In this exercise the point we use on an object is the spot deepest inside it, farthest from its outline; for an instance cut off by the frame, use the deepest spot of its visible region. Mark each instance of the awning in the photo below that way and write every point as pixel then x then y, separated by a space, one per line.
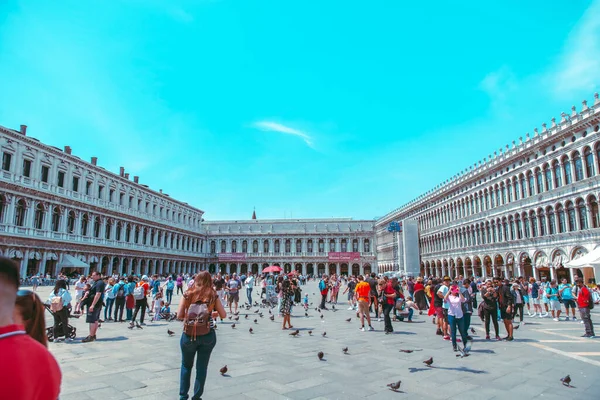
pixel 69 261
pixel 590 260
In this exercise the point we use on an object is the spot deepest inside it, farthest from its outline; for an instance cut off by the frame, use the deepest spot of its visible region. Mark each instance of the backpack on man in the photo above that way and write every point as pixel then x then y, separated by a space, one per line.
pixel 139 293
pixel 121 291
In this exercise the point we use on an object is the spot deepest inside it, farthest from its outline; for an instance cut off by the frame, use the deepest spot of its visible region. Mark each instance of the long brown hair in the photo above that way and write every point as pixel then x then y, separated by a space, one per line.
pixel 202 289
pixel 31 309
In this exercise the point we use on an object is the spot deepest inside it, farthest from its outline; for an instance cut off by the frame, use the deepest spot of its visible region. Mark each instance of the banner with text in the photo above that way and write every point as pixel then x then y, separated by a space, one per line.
pixel 232 256
pixel 345 256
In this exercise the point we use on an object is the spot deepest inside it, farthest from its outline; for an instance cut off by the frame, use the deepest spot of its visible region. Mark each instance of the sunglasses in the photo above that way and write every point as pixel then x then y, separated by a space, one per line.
pixel 24 292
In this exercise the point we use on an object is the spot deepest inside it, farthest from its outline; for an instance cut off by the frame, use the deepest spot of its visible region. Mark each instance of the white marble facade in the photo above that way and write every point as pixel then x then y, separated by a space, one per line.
pixel 524 210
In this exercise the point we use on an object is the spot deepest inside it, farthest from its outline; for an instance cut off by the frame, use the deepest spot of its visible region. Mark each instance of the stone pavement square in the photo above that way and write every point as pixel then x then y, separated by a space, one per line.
pixel 271 364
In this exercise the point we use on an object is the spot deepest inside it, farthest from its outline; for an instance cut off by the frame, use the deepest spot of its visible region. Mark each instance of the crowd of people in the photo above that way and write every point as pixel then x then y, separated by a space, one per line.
pixel 208 299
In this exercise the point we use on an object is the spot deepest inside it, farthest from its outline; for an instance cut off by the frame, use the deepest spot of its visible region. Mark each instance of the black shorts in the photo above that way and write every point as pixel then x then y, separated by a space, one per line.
pixel 506 315
pixel 93 317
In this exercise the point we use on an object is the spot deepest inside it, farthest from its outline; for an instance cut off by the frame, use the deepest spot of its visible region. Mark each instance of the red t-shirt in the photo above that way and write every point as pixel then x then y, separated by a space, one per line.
pixel 28 369
pixel 389 290
pixel 419 286
pixel 583 298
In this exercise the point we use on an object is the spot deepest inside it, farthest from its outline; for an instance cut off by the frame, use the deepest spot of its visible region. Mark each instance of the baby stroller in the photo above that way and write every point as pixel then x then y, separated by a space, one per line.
pixel 71 332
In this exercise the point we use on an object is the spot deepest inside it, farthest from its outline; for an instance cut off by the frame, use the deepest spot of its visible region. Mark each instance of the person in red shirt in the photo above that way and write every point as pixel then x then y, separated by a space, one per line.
pixel 28 370
pixel 388 305
pixel 583 302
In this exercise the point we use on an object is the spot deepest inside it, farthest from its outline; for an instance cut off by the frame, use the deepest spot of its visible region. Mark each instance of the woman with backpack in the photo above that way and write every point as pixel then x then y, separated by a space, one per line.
pixel 141 301
pixel 59 301
pixel 199 306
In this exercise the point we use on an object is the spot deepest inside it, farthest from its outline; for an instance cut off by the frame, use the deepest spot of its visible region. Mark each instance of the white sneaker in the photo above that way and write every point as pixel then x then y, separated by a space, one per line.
pixel 350 308
pixel 379 320
pixel 574 319
pixel 362 329
pixel 522 323
pixel 581 322
pixel 371 328
pixel 556 319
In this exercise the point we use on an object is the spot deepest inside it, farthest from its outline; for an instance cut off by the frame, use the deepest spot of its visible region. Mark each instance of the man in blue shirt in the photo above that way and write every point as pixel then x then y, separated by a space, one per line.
pixel 565 290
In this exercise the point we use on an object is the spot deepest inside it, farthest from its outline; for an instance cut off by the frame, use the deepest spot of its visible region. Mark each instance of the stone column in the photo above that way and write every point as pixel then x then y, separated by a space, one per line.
pixel 42 270
pixel 24 262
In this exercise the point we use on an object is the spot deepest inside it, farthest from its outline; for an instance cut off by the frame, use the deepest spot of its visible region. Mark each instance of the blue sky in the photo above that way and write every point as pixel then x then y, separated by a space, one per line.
pixel 298 108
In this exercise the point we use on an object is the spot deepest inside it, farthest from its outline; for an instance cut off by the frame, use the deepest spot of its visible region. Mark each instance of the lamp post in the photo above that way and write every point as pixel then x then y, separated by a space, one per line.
pixel 395 227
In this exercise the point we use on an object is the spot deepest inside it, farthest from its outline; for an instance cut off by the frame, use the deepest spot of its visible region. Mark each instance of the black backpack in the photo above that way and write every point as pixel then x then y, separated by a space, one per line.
pixel 121 291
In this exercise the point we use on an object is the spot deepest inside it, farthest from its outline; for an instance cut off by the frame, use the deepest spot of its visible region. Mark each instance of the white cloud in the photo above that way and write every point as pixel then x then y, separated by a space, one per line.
pixel 578 68
pixel 271 126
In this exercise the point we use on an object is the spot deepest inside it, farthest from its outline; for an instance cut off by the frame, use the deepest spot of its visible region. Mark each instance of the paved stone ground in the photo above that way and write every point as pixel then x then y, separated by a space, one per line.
pixel 270 364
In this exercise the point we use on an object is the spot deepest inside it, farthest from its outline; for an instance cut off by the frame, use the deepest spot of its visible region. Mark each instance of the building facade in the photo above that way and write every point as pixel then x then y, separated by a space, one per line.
pixel 309 246
pixel 53 204
pixel 55 208
pixel 526 210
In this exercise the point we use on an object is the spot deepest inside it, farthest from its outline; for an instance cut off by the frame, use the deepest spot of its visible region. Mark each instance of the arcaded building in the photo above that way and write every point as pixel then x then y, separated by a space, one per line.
pixel 526 209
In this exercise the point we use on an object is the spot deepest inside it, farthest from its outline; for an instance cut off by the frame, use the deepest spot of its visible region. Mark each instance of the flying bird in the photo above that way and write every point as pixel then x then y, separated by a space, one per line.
pixel 170 332
pixel 320 355
pixel 295 333
pixel 394 386
pixel 566 380
pixel 223 370
pixel 428 362
pixel 345 350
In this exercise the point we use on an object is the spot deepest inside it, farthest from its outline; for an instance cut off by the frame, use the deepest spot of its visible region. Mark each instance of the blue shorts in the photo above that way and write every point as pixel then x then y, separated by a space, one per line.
pixel 526 299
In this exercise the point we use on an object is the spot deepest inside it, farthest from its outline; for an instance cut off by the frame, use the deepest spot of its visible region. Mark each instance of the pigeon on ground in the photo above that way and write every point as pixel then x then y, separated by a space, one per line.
pixel 473 331
pixel 130 327
pixel 516 327
pixel 348 319
pixel 246 316
pixel 232 326
pixel 309 333
pixel 256 321
pixel 250 330
pixel 324 333
pixel 170 332
pixel 566 380
pixel 394 386
pixel 229 317
pixel 320 355
pixel 295 333
pixel 321 316
pixel 345 350
pixel 270 311
pixel 236 313
pixel 256 312
pixel 306 314
pixel 237 318
pixel 428 362
pixel 272 318
pixel 406 351
pixel 223 370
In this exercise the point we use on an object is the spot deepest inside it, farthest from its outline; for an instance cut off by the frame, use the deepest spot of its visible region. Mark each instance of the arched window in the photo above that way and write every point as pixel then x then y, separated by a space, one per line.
pixel 503 193
pixel 551 221
pixel 557 175
pixel 568 173
pixel 136 237
pixel 266 246
pixel 234 246
pixel 118 231
pixel 509 188
pixel 108 231
pixel 582 214
pixel 505 230
pixel 534 224
pixel 288 246
pixel 128 234
pixel 344 245
pixel 159 241
pixel 85 221
pixel 71 222
pixel 223 246
pixel 517 188
pixel 562 222
pixel 542 219
pixel 332 245
pixel 526 226
pixel 20 212
pixel 276 246
pixel 97 226
pixel 255 246
pixel 594 212
pixel 572 217
pixel 2 207
pixel 540 181
pixel 321 245
pixel 531 181
pixel 298 246
pixel 578 166
pixel 523 185
pixel 213 247
pixel 38 221
pixel 55 219
pixel 519 228
pixel 513 234
pixel 488 234
pixel 144 236
pixel 309 246
pixel 589 162
pixel 548 177
pixel 151 237
pixel 244 246
pixel 355 245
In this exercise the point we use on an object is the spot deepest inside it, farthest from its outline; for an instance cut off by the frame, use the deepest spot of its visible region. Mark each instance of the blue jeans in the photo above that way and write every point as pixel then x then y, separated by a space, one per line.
pixel 108 308
pixel 249 294
pixel 169 295
pixel 201 349
pixel 410 313
pixel 454 323
pixel 467 322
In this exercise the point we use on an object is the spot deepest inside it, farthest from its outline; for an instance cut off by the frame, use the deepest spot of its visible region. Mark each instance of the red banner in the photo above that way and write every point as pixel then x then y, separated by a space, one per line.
pixel 232 256
pixel 346 256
